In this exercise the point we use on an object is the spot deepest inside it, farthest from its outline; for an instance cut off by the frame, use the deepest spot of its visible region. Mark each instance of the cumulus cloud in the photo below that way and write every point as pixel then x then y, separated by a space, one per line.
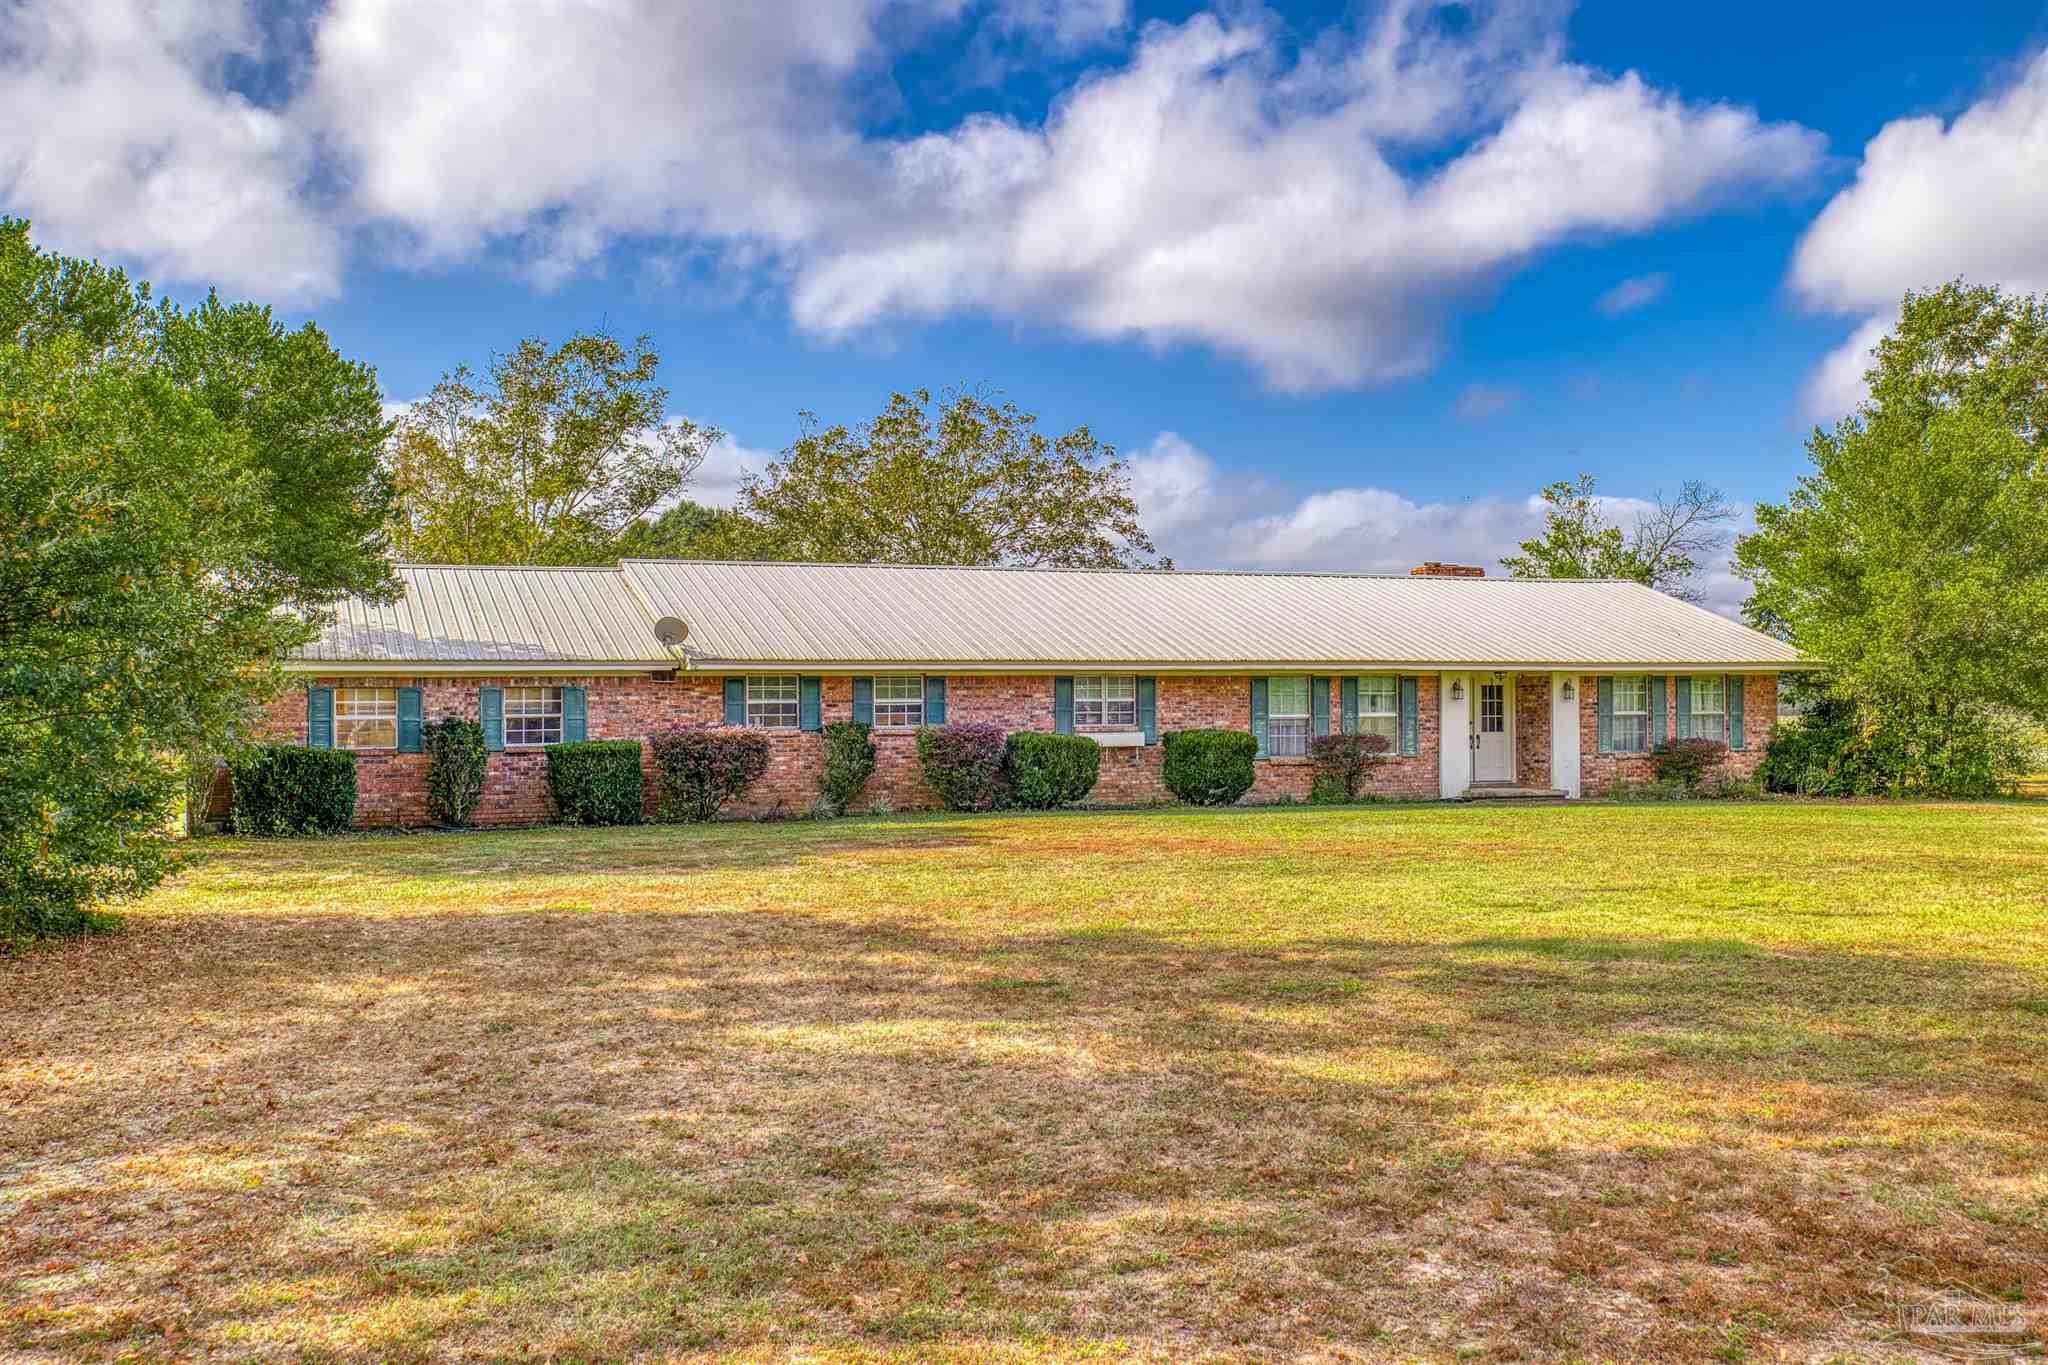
pixel 1638 291
pixel 717 481
pixel 120 137
pixel 1930 201
pixel 1319 210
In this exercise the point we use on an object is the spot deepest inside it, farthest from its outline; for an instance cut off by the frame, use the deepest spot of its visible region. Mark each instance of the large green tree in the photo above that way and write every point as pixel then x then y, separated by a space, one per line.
pixel 550 458
pixel 676 533
pixel 1913 560
pixel 968 480
pixel 1663 547
pixel 159 550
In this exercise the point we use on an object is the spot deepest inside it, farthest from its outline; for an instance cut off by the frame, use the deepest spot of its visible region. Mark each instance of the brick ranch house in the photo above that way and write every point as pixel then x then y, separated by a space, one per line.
pixel 1480 685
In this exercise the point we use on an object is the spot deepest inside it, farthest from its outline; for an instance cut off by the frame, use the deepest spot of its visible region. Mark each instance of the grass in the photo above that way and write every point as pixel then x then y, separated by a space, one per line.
pixel 1590 1082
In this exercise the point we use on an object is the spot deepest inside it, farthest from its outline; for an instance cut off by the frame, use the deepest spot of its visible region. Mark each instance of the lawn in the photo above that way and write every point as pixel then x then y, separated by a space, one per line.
pixel 1653 1082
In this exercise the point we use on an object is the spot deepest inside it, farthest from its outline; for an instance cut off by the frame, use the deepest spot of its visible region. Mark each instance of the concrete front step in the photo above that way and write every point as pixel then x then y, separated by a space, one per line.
pixel 1486 791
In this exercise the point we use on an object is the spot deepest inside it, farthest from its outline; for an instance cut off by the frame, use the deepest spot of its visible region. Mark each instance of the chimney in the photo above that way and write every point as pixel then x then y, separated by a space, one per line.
pixel 1437 569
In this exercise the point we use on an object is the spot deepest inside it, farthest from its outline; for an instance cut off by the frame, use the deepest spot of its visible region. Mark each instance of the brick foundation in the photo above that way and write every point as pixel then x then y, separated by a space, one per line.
pixel 391 787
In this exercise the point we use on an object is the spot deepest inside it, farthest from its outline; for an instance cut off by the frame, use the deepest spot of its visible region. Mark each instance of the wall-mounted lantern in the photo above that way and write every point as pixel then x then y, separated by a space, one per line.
pixel 1457 690
pixel 1569 694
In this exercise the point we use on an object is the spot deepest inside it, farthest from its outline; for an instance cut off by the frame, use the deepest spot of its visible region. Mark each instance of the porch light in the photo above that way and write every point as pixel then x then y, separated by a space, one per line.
pixel 1569 694
pixel 1457 690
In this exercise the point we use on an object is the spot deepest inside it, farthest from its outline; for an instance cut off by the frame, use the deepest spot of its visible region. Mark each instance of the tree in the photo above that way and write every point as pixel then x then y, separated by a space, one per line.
pixel 672 535
pixel 550 459
pixel 146 588
pixel 972 481
pixel 1664 547
pixel 1913 560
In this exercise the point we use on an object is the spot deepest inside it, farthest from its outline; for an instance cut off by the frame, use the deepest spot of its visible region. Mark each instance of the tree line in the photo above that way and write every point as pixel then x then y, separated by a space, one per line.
pixel 186 492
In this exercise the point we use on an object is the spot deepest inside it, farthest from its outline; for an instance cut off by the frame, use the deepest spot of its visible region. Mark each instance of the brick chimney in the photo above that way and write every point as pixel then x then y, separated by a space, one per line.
pixel 1436 569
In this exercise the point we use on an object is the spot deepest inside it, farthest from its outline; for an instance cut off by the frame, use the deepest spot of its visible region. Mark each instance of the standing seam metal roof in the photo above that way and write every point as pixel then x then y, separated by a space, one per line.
pixel 463 614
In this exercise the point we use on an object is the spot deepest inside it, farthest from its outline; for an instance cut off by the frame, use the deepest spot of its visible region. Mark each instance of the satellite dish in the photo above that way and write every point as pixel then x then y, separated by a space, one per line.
pixel 671 630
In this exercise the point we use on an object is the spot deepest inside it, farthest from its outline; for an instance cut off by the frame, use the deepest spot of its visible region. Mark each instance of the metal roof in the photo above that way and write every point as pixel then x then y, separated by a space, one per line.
pixel 525 618
pixel 761 614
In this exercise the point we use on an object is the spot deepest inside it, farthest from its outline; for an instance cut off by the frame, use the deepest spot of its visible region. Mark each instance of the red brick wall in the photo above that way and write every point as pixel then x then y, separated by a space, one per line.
pixel 1532 729
pixel 391 787
pixel 1597 770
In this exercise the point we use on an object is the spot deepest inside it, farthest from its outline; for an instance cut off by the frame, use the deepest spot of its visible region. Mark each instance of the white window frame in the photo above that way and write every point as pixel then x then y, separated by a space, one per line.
pixel 908 712
pixel 766 704
pixel 1618 715
pixel 360 709
pixel 1113 705
pixel 1373 721
pixel 1293 741
pixel 1718 715
pixel 541 706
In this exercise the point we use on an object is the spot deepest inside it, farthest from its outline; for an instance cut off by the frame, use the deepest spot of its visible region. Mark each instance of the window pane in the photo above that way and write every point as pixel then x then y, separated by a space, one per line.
pixel 1088 688
pixel 771 701
pixel 366 718
pixel 1707 694
pixel 1388 727
pixel 1121 687
pixel 899 700
pixel 1632 695
pixel 1287 696
pixel 533 716
pixel 1378 696
pixel 1286 738
pixel 1631 734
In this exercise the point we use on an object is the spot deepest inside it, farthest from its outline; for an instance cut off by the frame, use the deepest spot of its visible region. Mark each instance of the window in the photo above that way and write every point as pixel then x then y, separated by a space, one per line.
pixel 366 718
pixel 1632 715
pixel 771 701
pixel 1286 717
pixel 1106 701
pixel 533 716
pixel 1710 707
pixel 1379 709
pixel 899 700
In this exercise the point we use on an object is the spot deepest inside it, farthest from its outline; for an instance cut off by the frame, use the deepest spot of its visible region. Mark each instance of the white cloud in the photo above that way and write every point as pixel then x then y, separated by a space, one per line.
pixel 717 481
pixel 119 137
pixel 1222 186
pixel 1482 402
pixel 1930 202
pixel 1637 291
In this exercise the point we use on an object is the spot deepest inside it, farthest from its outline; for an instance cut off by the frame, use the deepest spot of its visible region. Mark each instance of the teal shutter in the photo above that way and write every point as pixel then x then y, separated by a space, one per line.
pixel 1319 704
pixel 575 715
pixel 319 718
pixel 1411 728
pixel 810 703
pixel 409 720
pixel 864 700
pixel 1063 706
pixel 1259 714
pixel 735 701
pixel 490 709
pixel 1685 708
pixel 935 701
pixel 1734 685
pixel 1347 699
pixel 1658 686
pixel 1148 708
pixel 1606 715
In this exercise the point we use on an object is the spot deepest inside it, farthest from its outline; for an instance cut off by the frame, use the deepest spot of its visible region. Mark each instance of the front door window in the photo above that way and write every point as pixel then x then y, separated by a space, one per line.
pixel 1492 751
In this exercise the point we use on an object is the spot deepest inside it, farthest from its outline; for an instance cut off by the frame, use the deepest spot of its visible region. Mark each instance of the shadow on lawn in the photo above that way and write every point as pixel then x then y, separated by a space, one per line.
pixel 607 1133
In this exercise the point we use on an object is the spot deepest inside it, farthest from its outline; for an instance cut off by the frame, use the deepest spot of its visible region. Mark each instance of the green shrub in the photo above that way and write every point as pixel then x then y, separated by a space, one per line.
pixel 283 789
pixel 596 782
pixel 1840 749
pixel 963 764
pixel 849 762
pixel 1044 771
pixel 1343 765
pixel 1209 767
pixel 456 758
pixel 1685 763
pixel 702 768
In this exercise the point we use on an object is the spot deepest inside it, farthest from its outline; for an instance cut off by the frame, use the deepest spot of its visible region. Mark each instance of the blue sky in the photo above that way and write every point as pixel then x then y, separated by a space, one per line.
pixel 1347 283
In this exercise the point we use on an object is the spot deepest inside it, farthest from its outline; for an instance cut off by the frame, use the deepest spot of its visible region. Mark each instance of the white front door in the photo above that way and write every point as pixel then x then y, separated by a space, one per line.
pixel 1493 755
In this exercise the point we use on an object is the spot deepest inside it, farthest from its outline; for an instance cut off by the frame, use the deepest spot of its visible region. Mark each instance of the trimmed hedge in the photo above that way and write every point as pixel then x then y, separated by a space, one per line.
pixel 849 763
pixel 963 764
pixel 1044 771
pixel 284 789
pixel 1209 767
pixel 1343 765
pixel 596 781
pixel 456 758
pixel 701 769
pixel 1683 763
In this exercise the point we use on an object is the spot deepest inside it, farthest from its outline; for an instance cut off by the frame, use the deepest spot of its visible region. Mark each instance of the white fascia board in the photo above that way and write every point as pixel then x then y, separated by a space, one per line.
pixel 1225 669
pixel 480 667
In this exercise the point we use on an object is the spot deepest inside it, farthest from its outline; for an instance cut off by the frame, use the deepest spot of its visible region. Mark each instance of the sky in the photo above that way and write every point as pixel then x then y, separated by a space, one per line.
pixel 1346 284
